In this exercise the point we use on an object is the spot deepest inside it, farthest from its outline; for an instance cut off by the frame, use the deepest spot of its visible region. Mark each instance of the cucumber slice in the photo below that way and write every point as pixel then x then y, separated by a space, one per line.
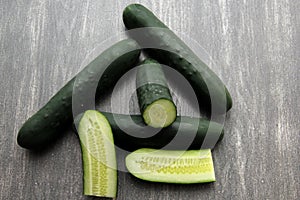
pixel 184 167
pixel 98 155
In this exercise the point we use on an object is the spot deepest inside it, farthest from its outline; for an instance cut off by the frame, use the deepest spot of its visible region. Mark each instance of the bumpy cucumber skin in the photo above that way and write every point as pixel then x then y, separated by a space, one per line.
pixel 52 119
pixel 172 51
pixel 152 85
pixel 192 133
pixel 148 94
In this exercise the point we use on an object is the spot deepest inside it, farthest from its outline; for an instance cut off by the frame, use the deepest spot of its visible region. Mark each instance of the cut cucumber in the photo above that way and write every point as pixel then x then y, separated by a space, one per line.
pixel 184 167
pixel 155 100
pixel 98 155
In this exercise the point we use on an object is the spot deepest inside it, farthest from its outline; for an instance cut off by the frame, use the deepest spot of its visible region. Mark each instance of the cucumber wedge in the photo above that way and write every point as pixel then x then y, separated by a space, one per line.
pixel 183 167
pixel 155 100
pixel 98 155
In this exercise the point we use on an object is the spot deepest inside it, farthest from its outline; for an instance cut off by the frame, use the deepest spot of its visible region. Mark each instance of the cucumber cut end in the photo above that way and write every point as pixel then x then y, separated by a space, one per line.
pixel 160 113
pixel 182 167
pixel 98 155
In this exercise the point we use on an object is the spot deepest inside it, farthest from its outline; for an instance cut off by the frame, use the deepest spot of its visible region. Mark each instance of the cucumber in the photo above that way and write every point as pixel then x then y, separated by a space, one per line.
pixel 155 100
pixel 130 133
pixel 183 167
pixel 163 45
pixel 52 119
pixel 98 155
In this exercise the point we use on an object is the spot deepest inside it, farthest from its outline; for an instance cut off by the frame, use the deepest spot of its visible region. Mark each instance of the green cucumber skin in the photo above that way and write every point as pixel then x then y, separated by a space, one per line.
pixel 184 60
pixel 192 129
pixel 151 84
pixel 51 120
pixel 148 94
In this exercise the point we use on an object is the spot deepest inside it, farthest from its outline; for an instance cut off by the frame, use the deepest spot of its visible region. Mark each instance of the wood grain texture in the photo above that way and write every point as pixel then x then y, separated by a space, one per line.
pixel 256 48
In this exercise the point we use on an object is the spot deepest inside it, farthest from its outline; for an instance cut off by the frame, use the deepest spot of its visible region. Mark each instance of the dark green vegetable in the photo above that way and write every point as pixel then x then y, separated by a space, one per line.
pixel 164 46
pixel 52 119
pixel 155 100
pixel 98 155
pixel 130 133
pixel 169 166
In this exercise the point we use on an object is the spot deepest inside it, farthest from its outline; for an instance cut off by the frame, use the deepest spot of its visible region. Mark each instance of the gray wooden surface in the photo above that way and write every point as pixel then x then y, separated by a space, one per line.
pixel 256 48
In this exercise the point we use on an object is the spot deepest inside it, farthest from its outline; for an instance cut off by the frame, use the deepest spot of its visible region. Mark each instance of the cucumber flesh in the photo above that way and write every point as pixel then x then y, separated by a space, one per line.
pixel 98 155
pixel 160 113
pixel 183 167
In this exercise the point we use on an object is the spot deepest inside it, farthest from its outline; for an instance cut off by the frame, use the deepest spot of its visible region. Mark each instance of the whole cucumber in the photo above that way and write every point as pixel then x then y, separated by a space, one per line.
pixel 52 119
pixel 131 133
pixel 167 48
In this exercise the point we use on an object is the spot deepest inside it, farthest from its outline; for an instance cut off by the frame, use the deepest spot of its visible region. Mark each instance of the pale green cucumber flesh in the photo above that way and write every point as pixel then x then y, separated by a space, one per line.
pixel 160 113
pixel 183 167
pixel 98 155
